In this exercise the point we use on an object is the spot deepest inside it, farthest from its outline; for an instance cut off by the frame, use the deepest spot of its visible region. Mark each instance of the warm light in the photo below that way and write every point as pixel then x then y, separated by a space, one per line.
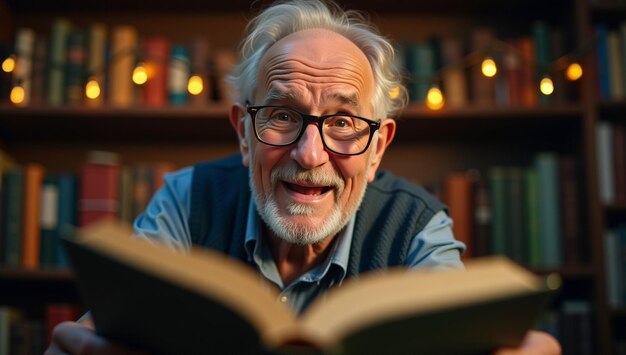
pixel 434 98
pixel 489 67
pixel 394 93
pixel 140 75
pixel 17 95
pixel 574 72
pixel 92 89
pixel 195 85
pixel 8 65
pixel 546 86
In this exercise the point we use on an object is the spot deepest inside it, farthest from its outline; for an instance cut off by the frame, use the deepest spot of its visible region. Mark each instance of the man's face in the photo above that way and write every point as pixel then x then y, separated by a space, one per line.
pixel 304 192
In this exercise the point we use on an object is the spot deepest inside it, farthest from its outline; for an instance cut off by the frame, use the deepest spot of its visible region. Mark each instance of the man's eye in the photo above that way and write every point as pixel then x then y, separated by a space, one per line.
pixel 341 123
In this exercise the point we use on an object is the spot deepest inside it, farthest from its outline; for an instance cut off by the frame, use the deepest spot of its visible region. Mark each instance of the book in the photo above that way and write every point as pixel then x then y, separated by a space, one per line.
pixel 99 181
pixel 121 62
pixel 12 212
pixel 458 193
pixel 96 57
pixel 57 59
pixel 208 301
pixel 547 165
pixel 31 217
pixel 156 52
pixel 178 75
pixel 23 75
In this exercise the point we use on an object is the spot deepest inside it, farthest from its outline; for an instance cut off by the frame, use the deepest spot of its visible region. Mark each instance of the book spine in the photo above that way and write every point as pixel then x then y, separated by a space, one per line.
pixel 49 221
pixel 604 157
pixel 458 189
pixel 616 69
pixel 96 60
pixel 200 66
pixel 74 67
pixel 40 58
pixel 602 58
pixel 178 75
pixel 453 76
pixel 547 168
pixel 56 65
pixel 570 207
pixel 541 38
pixel 24 48
pixel 529 96
pixel 515 221
pixel 482 216
pixel 156 54
pixel 224 61
pixel 483 88
pixel 497 188
pixel 619 161
pixel 512 72
pixel 67 213
pixel 31 233
pixel 142 188
pixel 121 64
pixel 13 211
pixel 533 218
pixel 98 190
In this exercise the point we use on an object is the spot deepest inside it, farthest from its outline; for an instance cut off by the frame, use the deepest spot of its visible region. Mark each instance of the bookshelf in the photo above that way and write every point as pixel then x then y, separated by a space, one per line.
pixel 451 139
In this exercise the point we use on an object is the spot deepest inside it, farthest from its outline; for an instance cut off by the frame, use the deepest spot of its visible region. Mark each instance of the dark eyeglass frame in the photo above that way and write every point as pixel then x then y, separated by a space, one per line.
pixel 306 121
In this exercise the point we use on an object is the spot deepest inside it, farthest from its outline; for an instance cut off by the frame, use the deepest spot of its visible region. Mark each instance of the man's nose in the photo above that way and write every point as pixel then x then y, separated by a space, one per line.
pixel 309 151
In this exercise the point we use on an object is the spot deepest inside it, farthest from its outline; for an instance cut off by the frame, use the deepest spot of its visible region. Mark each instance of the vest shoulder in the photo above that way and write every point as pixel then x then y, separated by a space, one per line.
pixel 229 163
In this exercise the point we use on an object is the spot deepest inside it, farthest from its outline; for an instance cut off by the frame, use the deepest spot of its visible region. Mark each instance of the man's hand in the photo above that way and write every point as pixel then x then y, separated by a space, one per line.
pixel 79 338
pixel 534 343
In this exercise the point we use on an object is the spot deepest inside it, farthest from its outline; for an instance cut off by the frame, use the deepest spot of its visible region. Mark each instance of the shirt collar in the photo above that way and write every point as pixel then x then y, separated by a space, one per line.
pixel 338 256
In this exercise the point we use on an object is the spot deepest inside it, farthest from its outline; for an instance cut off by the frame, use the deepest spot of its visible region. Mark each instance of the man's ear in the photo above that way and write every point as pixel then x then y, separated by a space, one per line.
pixel 237 120
pixel 386 132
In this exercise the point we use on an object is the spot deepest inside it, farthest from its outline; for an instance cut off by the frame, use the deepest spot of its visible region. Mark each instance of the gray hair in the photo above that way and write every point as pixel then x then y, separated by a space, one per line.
pixel 287 17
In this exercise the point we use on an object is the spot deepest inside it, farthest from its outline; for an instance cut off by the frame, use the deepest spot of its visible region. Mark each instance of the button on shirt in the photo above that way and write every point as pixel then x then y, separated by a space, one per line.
pixel 165 220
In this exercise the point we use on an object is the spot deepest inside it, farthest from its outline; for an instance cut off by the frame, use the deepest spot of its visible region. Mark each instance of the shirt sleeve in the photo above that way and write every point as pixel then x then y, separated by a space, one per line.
pixel 165 219
pixel 435 247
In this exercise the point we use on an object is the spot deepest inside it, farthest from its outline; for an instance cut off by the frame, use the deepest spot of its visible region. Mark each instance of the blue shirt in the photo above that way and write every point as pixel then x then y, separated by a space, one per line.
pixel 166 221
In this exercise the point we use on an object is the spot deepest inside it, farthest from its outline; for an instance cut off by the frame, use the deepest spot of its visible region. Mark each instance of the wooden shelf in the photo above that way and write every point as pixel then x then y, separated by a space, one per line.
pixel 211 123
pixel 24 287
pixel 612 110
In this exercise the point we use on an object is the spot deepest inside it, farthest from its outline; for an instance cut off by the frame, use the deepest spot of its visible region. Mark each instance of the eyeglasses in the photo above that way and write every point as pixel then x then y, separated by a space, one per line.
pixel 343 134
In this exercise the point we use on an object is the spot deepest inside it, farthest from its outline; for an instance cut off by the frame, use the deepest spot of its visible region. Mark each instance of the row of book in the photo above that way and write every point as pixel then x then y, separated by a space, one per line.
pixel 54 69
pixel 615 265
pixel 521 64
pixel 38 208
pixel 611 61
pixel 528 213
pixel 611 160
pixel 572 323
pixel 29 334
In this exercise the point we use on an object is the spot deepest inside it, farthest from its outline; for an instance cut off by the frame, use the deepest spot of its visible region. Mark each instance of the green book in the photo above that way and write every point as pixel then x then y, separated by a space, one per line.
pixel 547 166
pixel 533 218
pixel 57 58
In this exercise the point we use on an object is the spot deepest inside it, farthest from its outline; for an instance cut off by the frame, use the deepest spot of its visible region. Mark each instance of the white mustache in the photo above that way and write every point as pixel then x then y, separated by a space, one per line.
pixel 295 174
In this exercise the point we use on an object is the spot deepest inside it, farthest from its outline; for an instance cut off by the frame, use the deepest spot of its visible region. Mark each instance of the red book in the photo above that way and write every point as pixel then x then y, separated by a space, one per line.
pixel 458 197
pixel 99 180
pixel 156 53
pixel 528 86
pixel 58 313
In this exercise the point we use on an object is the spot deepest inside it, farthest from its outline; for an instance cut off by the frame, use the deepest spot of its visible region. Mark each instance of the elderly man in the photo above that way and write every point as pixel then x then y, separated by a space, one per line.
pixel 303 203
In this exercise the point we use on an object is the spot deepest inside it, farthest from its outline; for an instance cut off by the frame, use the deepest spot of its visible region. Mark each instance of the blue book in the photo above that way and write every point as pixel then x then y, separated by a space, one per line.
pixel 602 65
pixel 66 217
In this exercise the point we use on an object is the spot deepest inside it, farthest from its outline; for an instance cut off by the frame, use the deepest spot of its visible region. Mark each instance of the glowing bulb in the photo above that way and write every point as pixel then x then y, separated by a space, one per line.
pixel 195 85
pixel 574 72
pixel 8 65
pixel 546 86
pixel 17 95
pixel 489 67
pixel 92 89
pixel 394 93
pixel 140 75
pixel 434 98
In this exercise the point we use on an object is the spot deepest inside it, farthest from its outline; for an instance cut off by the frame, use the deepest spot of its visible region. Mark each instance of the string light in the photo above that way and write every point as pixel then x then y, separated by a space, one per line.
pixel 195 85
pixel 546 85
pixel 434 98
pixel 394 93
pixel 92 89
pixel 8 65
pixel 574 71
pixel 489 67
pixel 17 95
pixel 140 74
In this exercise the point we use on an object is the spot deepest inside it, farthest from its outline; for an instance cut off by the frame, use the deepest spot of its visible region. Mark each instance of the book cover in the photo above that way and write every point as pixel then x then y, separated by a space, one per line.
pixel 233 309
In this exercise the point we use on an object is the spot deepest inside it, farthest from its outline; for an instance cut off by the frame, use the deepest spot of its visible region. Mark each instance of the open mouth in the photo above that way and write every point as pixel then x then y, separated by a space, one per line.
pixel 307 190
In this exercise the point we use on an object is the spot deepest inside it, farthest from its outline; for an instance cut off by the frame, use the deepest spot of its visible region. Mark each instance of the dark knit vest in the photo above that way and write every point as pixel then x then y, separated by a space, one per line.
pixel 392 213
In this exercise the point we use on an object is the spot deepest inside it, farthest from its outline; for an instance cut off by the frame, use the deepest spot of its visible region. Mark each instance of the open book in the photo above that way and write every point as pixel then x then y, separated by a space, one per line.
pixel 152 297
